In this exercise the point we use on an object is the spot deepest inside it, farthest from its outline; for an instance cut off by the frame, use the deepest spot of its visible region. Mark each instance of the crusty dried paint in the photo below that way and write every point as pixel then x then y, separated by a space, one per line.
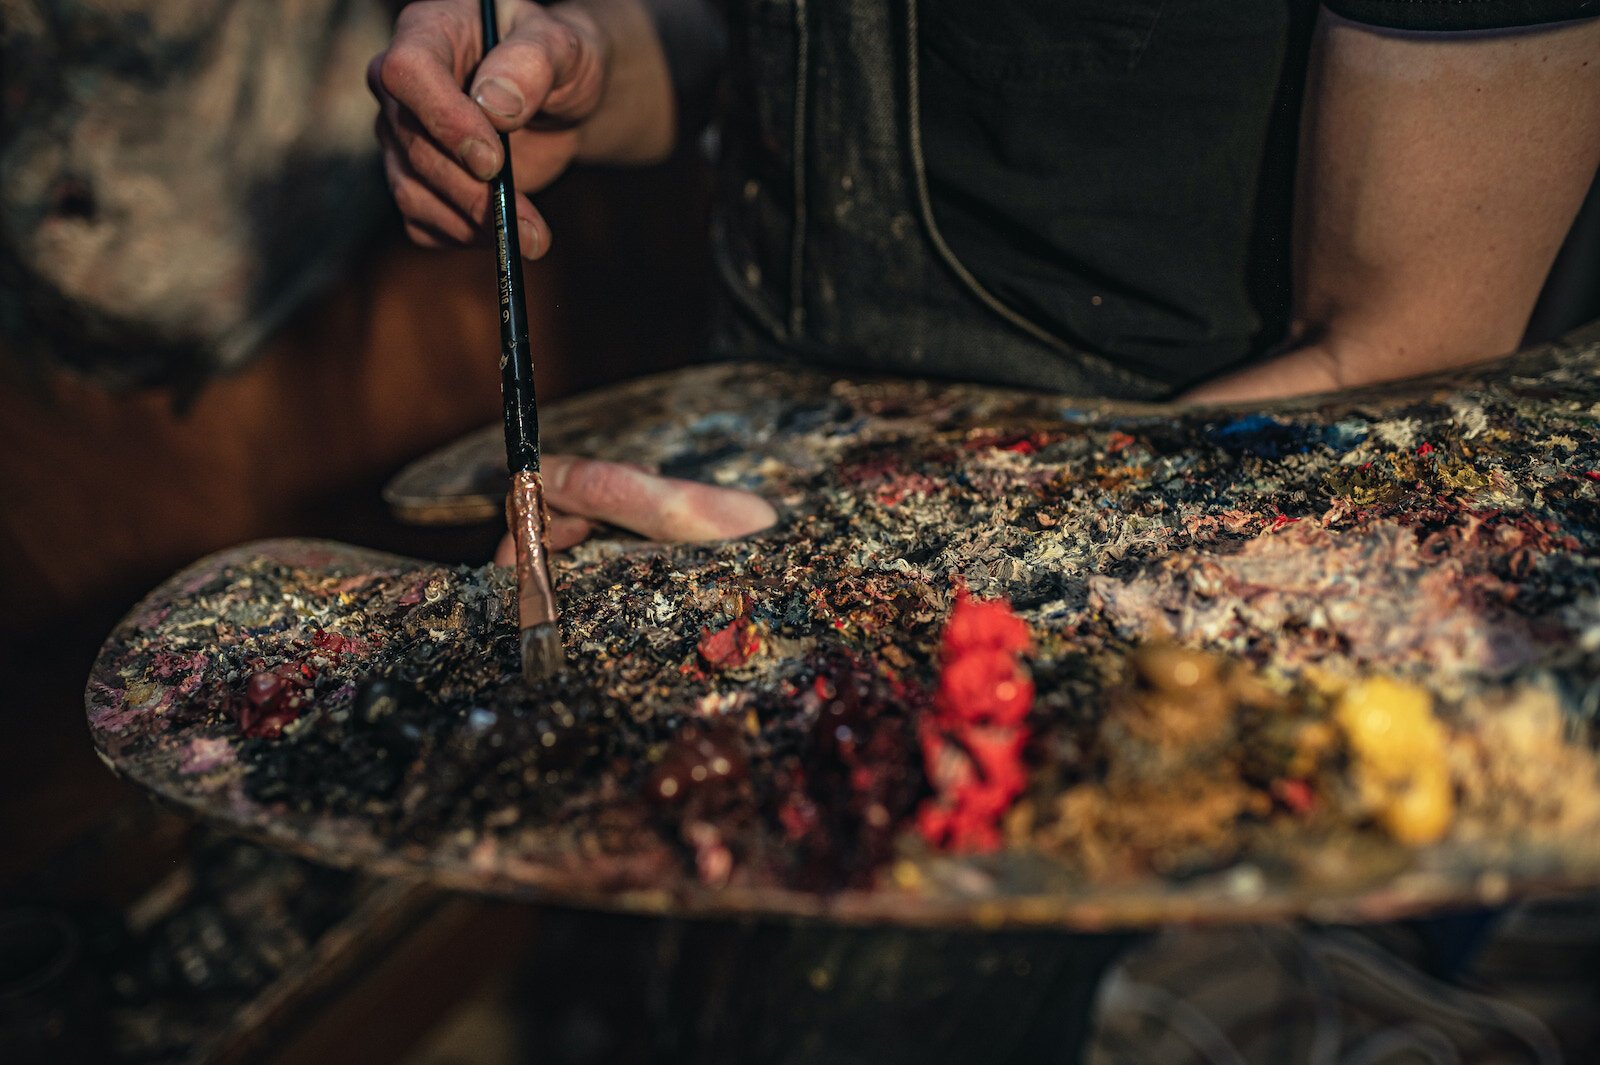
pixel 1445 536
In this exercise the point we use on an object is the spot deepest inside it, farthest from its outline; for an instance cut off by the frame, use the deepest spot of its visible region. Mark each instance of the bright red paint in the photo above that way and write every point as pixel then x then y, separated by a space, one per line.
pixel 973 741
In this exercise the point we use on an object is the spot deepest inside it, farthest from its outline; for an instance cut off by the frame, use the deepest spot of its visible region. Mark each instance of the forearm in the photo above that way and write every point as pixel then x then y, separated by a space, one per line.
pixel 657 50
pixel 1438 176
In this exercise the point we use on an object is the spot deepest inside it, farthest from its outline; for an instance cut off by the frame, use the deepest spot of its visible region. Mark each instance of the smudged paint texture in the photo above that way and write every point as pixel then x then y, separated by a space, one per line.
pixel 1210 619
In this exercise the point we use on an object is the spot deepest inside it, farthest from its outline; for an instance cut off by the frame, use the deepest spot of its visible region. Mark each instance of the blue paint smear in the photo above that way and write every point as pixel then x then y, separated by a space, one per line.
pixel 1265 436
pixel 719 421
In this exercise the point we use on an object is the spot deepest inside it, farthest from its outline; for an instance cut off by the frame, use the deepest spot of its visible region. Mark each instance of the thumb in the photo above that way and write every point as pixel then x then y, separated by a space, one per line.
pixel 545 65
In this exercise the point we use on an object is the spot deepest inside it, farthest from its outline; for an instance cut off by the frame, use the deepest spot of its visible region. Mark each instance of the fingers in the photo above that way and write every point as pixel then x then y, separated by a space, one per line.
pixel 435 44
pixel 441 203
pixel 566 531
pixel 660 508
pixel 540 156
pixel 629 496
pixel 544 65
pixel 429 220
pixel 563 531
pixel 441 146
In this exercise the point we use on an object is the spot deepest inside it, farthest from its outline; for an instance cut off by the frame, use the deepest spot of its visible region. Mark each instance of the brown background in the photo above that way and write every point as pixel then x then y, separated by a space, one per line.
pixel 105 495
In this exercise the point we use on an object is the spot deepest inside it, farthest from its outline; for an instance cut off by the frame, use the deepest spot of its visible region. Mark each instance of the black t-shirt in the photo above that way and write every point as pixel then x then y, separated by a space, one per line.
pixel 1119 171
pixel 1455 15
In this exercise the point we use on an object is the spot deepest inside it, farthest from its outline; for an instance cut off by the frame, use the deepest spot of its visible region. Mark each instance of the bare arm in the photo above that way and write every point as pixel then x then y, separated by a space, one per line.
pixel 1438 175
pixel 637 120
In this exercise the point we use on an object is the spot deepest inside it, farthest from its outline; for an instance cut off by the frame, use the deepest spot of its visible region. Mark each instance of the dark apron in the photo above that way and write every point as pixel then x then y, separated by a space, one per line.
pixel 826 246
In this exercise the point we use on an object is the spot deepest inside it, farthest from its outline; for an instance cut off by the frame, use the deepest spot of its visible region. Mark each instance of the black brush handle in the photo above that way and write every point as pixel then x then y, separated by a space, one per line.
pixel 516 353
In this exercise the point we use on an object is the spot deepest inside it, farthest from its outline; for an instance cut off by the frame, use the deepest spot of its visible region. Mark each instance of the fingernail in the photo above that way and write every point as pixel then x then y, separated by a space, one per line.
pixel 480 158
pixel 499 97
pixel 529 238
pixel 739 513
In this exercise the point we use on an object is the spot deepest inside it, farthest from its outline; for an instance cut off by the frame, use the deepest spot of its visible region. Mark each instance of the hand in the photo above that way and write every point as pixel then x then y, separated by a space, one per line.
pixel 441 145
pixel 1305 370
pixel 580 492
pixel 1331 362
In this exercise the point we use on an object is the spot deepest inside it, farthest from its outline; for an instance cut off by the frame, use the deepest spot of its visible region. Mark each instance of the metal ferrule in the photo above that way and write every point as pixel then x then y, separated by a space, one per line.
pixel 525 513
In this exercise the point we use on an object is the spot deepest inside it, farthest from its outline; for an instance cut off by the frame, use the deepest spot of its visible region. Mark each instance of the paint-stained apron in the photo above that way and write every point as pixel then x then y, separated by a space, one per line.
pixel 825 241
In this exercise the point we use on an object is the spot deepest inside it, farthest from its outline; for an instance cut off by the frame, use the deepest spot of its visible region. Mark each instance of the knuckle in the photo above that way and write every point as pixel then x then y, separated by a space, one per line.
pixel 397 69
pixel 525 62
pixel 565 41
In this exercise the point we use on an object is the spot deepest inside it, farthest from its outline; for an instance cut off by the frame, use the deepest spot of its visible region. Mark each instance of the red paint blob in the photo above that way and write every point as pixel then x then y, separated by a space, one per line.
pixel 732 646
pixel 973 742
pixel 984 687
pixel 263 688
pixel 274 698
pixel 1119 443
pixel 983 625
pixel 334 644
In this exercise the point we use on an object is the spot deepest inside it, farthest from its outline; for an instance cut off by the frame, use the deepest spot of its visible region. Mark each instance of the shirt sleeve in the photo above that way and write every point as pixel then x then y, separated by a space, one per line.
pixel 1448 15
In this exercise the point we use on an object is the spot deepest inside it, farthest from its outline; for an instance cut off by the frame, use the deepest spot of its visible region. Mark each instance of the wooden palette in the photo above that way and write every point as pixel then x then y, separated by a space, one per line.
pixel 1442 532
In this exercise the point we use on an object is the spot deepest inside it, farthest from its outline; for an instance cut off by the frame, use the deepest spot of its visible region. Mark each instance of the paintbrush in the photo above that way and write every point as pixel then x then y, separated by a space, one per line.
pixel 525 509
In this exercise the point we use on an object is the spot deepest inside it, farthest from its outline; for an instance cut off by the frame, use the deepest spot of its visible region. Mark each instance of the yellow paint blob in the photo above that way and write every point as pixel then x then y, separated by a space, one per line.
pixel 1399 754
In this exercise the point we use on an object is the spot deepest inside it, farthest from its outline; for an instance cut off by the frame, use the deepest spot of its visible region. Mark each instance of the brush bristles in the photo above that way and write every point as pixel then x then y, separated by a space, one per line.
pixel 542 656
